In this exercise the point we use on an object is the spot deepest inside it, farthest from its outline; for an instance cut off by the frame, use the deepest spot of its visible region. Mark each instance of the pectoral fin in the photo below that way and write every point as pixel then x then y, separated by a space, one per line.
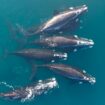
pixel 33 69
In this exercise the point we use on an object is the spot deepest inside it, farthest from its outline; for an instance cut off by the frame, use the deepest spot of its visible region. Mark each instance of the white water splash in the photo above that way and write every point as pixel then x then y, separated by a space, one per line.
pixel 7 85
pixel 53 61
pixel 80 83
pixel 41 87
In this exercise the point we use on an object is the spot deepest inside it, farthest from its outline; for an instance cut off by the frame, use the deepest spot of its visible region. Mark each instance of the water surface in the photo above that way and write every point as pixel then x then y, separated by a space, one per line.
pixel 16 71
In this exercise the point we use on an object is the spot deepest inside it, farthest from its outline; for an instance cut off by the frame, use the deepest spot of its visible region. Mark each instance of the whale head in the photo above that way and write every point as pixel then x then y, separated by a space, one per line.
pixel 81 43
pixel 81 9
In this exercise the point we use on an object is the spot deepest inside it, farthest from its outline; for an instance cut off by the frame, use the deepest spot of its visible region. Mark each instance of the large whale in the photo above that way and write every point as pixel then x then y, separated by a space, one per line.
pixel 41 54
pixel 71 43
pixel 70 72
pixel 57 23
pixel 29 92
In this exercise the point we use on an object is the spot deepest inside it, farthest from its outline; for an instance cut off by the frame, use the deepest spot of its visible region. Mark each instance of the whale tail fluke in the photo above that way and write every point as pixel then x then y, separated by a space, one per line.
pixel 15 34
pixel 22 30
pixel 27 32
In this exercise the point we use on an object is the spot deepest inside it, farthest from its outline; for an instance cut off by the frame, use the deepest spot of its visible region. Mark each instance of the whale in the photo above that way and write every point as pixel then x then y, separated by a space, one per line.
pixel 40 54
pixel 70 72
pixel 68 43
pixel 30 92
pixel 59 22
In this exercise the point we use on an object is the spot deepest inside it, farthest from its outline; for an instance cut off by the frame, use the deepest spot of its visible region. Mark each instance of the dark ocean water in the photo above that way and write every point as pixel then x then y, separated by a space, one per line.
pixel 16 71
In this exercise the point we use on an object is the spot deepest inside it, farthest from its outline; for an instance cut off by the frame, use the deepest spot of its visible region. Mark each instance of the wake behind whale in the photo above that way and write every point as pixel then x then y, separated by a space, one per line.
pixel 30 92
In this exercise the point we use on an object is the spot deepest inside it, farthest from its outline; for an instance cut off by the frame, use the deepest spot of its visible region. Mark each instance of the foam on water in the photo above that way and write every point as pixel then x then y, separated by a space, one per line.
pixel 7 85
pixel 41 87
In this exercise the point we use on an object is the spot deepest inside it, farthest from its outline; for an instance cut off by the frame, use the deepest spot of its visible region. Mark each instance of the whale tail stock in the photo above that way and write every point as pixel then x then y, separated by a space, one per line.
pixel 22 30
pixel 26 32
pixel 19 34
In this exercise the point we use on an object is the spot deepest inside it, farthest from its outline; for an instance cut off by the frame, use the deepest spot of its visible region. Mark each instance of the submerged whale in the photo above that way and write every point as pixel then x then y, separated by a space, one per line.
pixel 41 54
pixel 71 43
pixel 59 22
pixel 70 72
pixel 29 92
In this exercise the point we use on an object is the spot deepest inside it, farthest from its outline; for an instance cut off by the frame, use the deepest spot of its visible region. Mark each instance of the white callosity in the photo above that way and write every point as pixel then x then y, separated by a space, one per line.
pixel 90 79
pixel 86 42
pixel 61 55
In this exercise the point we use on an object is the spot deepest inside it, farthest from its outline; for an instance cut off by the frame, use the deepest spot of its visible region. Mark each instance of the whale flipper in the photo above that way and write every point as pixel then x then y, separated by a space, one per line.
pixel 34 70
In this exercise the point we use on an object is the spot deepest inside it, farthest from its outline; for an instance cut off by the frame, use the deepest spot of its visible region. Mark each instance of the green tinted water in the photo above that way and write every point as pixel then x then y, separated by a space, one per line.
pixel 16 71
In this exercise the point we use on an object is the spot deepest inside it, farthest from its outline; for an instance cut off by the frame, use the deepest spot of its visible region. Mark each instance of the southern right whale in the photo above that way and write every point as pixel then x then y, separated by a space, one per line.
pixel 67 43
pixel 59 22
pixel 40 54
pixel 70 72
